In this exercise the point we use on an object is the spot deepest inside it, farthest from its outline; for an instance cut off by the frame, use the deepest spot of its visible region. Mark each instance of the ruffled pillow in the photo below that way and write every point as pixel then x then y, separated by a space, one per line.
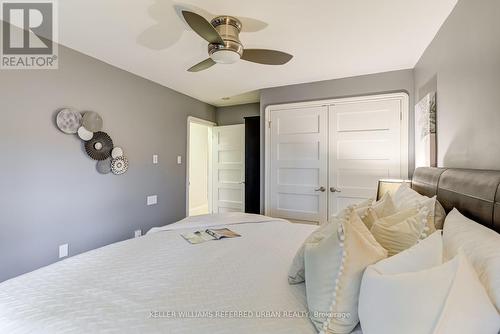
pixel 402 230
pixel 415 293
pixel 406 198
pixel 382 208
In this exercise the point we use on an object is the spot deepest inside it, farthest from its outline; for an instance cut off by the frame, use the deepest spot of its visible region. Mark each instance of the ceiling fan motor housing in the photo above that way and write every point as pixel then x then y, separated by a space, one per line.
pixel 229 29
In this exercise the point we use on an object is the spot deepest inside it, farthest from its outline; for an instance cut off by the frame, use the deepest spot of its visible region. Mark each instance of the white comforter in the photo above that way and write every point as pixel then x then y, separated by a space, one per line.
pixel 141 285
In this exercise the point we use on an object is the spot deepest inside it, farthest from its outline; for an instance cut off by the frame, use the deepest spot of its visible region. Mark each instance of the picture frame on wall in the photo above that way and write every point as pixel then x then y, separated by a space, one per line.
pixel 425 131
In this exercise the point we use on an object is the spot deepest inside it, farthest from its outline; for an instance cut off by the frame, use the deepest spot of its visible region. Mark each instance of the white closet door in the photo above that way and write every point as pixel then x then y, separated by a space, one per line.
pixel 229 168
pixel 298 164
pixel 365 146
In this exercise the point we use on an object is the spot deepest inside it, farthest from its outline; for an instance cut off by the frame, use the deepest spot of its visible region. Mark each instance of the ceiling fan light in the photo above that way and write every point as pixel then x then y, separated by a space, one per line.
pixel 225 56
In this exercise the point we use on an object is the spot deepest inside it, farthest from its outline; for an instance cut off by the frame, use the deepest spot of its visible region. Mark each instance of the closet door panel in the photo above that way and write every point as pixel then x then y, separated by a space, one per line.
pixel 365 146
pixel 298 173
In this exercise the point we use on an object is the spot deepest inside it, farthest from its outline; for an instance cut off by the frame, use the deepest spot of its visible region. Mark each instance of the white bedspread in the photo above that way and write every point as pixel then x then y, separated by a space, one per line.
pixel 116 288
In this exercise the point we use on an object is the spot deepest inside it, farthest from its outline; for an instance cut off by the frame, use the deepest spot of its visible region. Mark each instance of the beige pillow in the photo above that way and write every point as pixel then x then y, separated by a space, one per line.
pixel 406 198
pixel 333 268
pixel 382 208
pixel 402 230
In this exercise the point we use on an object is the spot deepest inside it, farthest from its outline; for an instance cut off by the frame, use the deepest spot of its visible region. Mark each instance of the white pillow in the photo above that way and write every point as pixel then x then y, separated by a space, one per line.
pixel 415 293
pixel 334 268
pixel 296 273
pixel 406 198
pixel 481 246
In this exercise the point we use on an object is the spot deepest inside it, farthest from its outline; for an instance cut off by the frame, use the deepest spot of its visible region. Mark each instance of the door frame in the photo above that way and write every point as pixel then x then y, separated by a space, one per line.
pixel 210 125
pixel 405 109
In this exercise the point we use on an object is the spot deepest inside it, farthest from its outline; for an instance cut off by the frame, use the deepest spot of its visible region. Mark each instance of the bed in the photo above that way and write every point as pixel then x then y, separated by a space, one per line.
pixel 159 283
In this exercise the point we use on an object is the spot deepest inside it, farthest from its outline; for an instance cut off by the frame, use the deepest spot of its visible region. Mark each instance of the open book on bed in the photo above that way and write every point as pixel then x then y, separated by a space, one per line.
pixel 198 237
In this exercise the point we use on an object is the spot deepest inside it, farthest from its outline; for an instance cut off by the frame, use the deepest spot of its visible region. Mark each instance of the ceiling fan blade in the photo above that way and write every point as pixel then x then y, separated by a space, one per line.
pixel 202 27
pixel 266 57
pixel 202 65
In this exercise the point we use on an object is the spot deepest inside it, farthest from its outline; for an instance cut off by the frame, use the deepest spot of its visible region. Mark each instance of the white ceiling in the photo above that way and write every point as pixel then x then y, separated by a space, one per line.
pixel 328 38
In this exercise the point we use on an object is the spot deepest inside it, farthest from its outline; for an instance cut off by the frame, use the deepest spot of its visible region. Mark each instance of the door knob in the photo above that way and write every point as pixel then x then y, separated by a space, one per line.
pixel 322 189
pixel 334 190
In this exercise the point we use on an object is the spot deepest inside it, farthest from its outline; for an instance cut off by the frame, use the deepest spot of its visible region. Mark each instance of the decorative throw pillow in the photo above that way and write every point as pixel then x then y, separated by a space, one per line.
pixel 296 274
pixel 406 198
pixel 415 293
pixel 481 246
pixel 333 268
pixel 382 208
pixel 402 230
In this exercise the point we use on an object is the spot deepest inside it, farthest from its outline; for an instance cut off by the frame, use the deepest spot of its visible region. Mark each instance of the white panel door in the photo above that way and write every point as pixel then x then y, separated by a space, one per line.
pixel 365 146
pixel 299 164
pixel 229 168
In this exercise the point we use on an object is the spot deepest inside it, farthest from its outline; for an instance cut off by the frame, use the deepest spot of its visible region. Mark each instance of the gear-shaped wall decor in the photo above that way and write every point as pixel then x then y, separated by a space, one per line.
pixel 98 145
pixel 119 165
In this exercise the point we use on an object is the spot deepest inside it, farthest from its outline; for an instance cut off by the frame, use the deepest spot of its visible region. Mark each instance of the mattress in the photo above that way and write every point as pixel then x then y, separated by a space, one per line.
pixel 160 283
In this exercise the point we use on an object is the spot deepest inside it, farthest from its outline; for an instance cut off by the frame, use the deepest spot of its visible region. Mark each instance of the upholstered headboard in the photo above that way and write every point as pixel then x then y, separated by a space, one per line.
pixel 475 193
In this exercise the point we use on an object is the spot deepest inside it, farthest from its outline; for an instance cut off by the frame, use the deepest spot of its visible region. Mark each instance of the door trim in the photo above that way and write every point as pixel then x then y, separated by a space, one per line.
pixel 210 124
pixel 405 109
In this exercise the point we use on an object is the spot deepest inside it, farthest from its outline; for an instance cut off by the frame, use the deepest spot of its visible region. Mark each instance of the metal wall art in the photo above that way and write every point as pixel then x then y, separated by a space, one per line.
pixel 98 145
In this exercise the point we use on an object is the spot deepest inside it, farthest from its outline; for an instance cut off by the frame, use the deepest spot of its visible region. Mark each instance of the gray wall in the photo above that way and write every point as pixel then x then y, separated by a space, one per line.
pixel 236 114
pixel 388 82
pixel 463 65
pixel 50 192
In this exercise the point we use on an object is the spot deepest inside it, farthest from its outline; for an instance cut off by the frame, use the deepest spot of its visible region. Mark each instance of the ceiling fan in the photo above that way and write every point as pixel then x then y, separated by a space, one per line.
pixel 225 47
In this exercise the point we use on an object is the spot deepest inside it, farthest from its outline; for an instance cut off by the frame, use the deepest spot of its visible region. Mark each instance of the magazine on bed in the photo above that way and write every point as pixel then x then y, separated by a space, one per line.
pixel 210 234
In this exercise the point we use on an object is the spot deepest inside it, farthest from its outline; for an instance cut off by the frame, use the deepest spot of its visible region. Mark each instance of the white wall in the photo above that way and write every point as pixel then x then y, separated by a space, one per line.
pixel 198 169
pixel 463 65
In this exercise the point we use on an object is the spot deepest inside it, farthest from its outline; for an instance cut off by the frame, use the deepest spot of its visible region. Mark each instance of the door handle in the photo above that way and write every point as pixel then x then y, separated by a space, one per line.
pixel 322 189
pixel 334 190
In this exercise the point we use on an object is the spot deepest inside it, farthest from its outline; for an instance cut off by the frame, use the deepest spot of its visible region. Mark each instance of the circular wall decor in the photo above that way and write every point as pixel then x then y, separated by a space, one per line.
pixel 119 165
pixel 69 120
pixel 117 152
pixel 92 121
pixel 104 166
pixel 100 146
pixel 84 134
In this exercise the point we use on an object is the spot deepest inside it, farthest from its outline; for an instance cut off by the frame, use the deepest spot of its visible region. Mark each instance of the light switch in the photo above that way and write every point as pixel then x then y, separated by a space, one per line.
pixel 179 160
pixel 63 251
pixel 155 159
pixel 152 200
pixel 137 233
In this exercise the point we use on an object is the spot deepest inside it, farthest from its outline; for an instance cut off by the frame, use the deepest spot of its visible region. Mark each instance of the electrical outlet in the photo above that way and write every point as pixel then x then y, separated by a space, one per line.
pixel 152 200
pixel 63 251
pixel 155 159
pixel 137 233
pixel 179 159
